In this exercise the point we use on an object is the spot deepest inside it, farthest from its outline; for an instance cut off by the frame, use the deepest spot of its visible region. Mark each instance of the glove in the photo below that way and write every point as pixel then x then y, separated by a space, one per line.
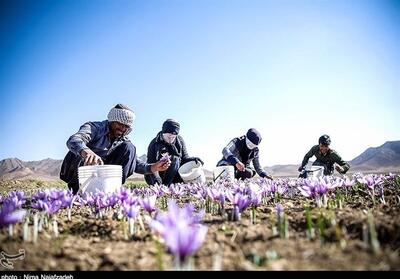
pixel 301 169
pixel 198 160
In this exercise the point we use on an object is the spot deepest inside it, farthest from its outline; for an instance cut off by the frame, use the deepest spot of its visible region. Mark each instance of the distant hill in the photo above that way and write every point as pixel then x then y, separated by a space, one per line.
pixel 282 170
pixel 385 158
pixel 14 168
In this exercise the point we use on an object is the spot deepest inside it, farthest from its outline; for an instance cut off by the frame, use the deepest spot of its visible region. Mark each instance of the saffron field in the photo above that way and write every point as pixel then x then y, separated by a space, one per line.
pixel 335 223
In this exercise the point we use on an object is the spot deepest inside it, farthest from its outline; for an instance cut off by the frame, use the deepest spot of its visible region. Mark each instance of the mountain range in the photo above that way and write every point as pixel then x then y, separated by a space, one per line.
pixel 384 158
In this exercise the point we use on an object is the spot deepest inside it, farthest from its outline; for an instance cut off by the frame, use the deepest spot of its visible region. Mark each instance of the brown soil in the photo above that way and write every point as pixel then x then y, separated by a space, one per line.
pixel 87 243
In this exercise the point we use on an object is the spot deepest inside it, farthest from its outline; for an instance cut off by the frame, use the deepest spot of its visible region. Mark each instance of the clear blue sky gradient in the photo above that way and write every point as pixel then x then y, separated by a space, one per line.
pixel 292 69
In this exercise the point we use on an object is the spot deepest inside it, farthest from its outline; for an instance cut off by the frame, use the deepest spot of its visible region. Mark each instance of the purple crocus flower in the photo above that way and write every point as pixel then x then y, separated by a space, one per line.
pixel 113 199
pixel 41 195
pixel 137 192
pixel 175 214
pixel 238 200
pixel 53 207
pixel 180 229
pixel 10 214
pixel 370 181
pixel 201 193
pixel 184 240
pixel 316 189
pixel 308 190
pixel 132 200
pixel 123 193
pixel 276 188
pixel 347 182
pixel 217 194
pixel 17 198
pixel 279 210
pixel 40 205
pixel 328 183
pixel 165 190
pixel 56 194
pixel 189 214
pixel 391 176
pixel 256 199
pixel 148 203
pixel 67 199
pixel 156 190
pixel 177 189
pixel 88 199
pixel 101 200
pixel 130 210
pixel 19 195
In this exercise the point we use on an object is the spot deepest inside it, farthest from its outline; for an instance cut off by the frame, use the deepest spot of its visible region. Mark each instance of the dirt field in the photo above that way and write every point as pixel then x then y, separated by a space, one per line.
pixel 342 243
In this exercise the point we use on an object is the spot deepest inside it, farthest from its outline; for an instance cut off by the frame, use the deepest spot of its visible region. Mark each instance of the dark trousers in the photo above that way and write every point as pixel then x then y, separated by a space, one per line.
pixel 167 177
pixel 328 167
pixel 124 155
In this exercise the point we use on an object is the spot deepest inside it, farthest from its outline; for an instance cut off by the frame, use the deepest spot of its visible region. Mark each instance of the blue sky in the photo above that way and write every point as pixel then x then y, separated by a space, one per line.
pixel 292 69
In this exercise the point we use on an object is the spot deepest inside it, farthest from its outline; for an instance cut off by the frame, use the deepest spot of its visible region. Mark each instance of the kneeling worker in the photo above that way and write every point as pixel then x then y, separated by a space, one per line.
pixel 240 152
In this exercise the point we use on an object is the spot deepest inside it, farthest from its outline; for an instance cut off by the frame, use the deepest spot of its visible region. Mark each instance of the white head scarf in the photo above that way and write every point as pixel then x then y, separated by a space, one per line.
pixel 122 114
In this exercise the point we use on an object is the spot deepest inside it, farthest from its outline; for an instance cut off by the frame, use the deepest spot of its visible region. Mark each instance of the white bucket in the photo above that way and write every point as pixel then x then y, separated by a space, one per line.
pixel 315 172
pixel 105 178
pixel 192 172
pixel 227 172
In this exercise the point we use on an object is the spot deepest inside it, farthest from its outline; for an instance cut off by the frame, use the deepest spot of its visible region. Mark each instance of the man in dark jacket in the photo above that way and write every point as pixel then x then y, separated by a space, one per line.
pixel 326 157
pixel 168 142
pixel 105 142
pixel 240 152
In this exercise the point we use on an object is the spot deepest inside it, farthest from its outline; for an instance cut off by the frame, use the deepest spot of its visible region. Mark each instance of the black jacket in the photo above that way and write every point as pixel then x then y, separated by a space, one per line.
pixel 158 147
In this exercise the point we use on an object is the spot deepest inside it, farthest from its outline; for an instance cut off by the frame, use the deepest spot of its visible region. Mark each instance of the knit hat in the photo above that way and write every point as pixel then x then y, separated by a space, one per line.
pixel 254 136
pixel 122 114
pixel 170 126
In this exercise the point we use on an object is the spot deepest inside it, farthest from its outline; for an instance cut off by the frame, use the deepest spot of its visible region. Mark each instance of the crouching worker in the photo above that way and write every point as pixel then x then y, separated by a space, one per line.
pixel 105 142
pixel 325 157
pixel 240 152
pixel 168 145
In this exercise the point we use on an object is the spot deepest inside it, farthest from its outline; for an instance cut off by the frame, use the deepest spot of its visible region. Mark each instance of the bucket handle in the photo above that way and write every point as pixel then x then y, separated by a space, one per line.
pixel 219 175
pixel 83 188
pixel 86 184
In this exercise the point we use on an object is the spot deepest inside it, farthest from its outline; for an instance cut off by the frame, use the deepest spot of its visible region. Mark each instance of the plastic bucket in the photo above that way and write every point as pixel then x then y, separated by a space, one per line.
pixel 226 172
pixel 192 172
pixel 315 172
pixel 105 178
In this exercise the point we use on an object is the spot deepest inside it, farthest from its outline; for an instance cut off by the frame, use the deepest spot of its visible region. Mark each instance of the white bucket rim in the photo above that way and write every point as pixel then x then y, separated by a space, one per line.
pixel 104 176
pixel 108 171
pixel 100 167
pixel 98 173
pixel 193 167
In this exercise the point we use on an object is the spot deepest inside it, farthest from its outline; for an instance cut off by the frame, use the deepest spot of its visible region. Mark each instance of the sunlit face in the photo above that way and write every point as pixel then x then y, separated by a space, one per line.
pixel 117 129
pixel 323 148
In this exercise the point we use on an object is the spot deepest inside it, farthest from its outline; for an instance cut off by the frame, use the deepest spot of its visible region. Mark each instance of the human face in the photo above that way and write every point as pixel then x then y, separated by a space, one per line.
pixel 250 145
pixel 323 148
pixel 117 129
pixel 169 138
